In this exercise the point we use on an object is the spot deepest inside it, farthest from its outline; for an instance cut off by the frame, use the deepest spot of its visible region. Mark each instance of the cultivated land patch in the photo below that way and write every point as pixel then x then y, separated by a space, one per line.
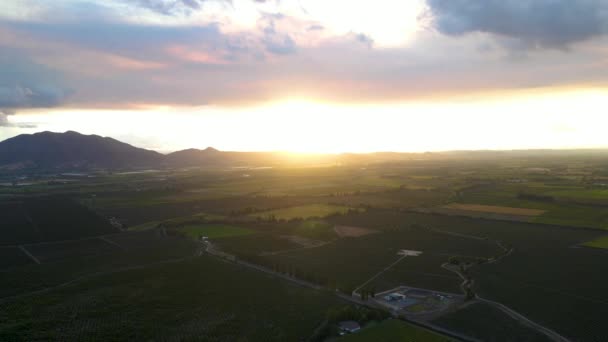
pixel 200 299
pixel 486 323
pixel 303 211
pixel 214 231
pixel 495 209
pixel 352 231
pixel 601 242
pixel 394 330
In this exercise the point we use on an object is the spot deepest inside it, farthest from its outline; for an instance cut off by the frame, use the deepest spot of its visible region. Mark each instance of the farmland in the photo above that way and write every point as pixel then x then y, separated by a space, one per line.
pixel 394 330
pixel 496 209
pixel 213 231
pixel 601 242
pixel 518 230
pixel 306 211
pixel 48 219
pixel 488 324
pixel 169 301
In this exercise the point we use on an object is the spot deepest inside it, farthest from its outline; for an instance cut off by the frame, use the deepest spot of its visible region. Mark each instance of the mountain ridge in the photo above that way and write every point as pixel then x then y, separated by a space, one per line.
pixel 71 150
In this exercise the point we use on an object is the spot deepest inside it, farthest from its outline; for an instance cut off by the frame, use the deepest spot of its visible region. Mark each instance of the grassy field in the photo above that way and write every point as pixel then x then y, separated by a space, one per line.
pixel 200 299
pixel 82 259
pixel 304 211
pixel 44 219
pixel 601 242
pixel 393 330
pixel 315 229
pixel 349 262
pixel 214 231
pixel 11 257
pixel 544 278
pixel 486 323
pixel 496 209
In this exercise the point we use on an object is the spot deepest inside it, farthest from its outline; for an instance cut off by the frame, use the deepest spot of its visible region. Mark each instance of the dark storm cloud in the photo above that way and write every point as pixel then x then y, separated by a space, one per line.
pixel 539 23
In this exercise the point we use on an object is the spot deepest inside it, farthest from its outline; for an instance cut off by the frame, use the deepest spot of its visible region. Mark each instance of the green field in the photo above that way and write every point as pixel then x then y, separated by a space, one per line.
pixel 149 283
pixel 315 229
pixel 201 299
pixel 42 219
pixel 63 262
pixel 394 330
pixel 601 242
pixel 303 212
pixel 486 323
pixel 349 262
pixel 214 231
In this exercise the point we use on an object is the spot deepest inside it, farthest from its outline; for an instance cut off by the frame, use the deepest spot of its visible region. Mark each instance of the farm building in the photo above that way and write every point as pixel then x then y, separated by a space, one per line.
pixel 349 327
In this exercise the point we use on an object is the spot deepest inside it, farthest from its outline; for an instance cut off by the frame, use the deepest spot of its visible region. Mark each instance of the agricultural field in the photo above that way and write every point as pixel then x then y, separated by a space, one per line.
pixel 496 209
pixel 11 257
pixel 349 262
pixel 601 242
pixel 64 265
pixel 394 330
pixel 544 268
pixel 256 244
pixel 43 219
pixel 214 231
pixel 56 251
pixel 303 212
pixel 517 228
pixel 556 210
pixel 177 301
pixel 15 228
pixel 486 323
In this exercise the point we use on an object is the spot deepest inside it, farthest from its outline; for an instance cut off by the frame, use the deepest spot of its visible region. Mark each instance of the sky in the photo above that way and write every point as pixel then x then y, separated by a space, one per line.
pixel 309 75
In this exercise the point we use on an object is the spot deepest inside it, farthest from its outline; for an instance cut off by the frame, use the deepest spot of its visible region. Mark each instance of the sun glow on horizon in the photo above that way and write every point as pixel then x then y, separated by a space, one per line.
pixel 554 119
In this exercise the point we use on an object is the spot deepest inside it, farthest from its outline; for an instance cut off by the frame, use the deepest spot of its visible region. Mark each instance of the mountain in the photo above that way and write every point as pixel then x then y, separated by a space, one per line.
pixel 194 157
pixel 213 157
pixel 75 151
pixel 72 150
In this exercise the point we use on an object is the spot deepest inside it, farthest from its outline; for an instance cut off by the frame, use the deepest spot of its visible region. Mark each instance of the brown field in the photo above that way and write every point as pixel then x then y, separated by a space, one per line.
pixel 496 209
pixel 350 231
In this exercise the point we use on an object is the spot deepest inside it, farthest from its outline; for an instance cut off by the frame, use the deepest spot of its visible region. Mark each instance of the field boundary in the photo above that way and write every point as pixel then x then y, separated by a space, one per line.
pixel 355 291
pixel 30 255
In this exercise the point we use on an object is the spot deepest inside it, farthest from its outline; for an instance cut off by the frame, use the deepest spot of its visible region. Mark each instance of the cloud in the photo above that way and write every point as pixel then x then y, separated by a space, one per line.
pixel 26 84
pixel 4 119
pixel 34 96
pixel 170 7
pixel 316 27
pixel 117 61
pixel 4 122
pixel 276 42
pixel 537 23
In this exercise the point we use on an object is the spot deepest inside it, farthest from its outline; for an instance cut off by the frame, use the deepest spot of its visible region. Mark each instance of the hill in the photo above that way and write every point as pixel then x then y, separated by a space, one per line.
pixel 72 150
